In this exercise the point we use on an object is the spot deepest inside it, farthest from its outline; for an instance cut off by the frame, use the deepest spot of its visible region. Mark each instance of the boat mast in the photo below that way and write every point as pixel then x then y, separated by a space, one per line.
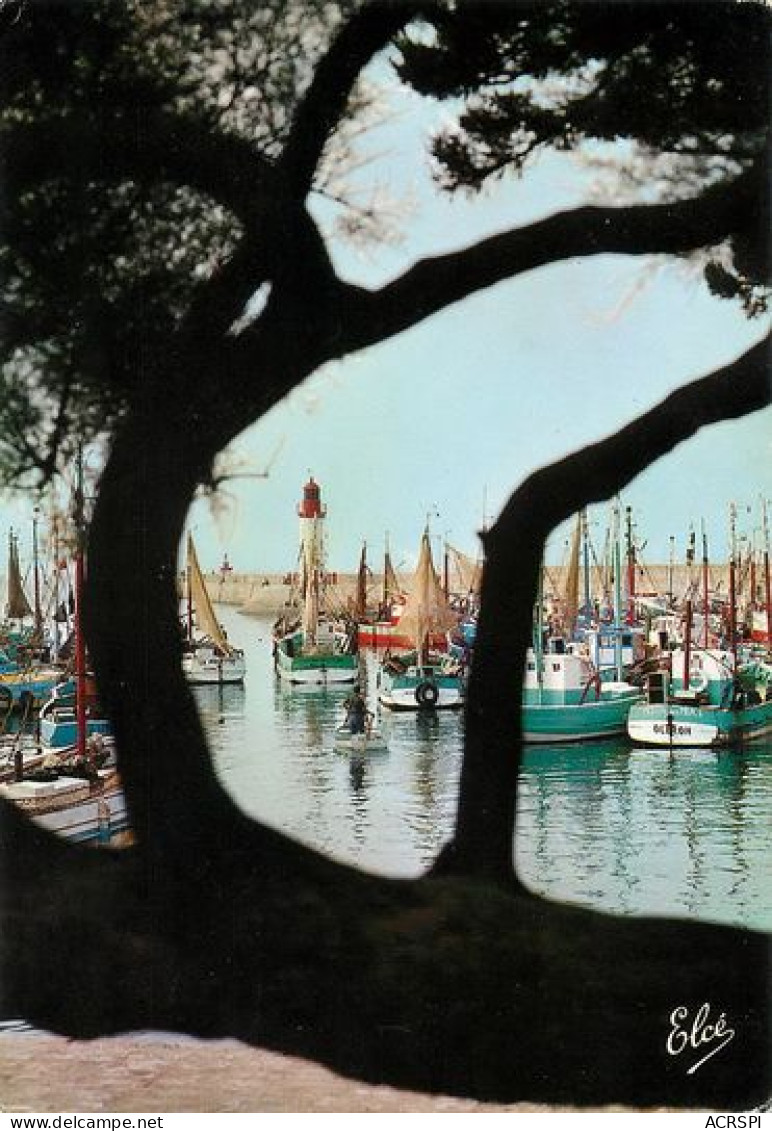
pixel 538 635
pixel 38 615
pixel 189 591
pixel 80 640
pixel 733 584
pixel 687 643
pixel 767 586
pixel 617 567
pixel 630 548
pixel 55 543
pixel 386 564
pixel 705 597
pixel 586 567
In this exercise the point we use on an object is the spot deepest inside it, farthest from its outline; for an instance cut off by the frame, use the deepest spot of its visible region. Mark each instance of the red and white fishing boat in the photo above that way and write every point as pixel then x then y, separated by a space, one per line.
pixel 383 630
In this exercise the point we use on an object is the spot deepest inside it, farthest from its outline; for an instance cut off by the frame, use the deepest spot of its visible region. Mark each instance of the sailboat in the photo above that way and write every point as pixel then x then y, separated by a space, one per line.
pixel 208 657
pixel 381 630
pixel 319 650
pixel 20 674
pixel 422 680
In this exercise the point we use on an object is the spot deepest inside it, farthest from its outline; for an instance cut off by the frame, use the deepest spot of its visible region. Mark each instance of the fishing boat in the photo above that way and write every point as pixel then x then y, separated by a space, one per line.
pixel 369 741
pixel 321 648
pixel 58 719
pixel 566 696
pixel 423 679
pixel 704 701
pixel 380 630
pixel 208 657
pixel 565 699
pixel 72 792
pixel 21 674
pixel 80 808
pixel 761 617
pixel 704 698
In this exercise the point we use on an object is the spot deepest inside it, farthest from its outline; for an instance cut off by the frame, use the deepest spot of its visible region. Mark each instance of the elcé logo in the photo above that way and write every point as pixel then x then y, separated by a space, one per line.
pixel 697 1035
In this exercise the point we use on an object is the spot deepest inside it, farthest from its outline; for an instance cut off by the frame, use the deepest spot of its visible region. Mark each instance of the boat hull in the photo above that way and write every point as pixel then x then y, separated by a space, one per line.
pixel 348 743
pixel 71 808
pixel 420 689
pixel 680 725
pixel 211 668
pixel 320 668
pixel 21 684
pixel 59 733
pixel 576 722
pixel 384 634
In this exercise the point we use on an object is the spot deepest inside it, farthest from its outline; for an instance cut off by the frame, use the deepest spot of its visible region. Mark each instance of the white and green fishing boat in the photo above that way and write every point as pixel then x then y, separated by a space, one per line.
pixel 321 649
pixel 565 699
pixel 423 680
pixel 706 699
pixel 567 696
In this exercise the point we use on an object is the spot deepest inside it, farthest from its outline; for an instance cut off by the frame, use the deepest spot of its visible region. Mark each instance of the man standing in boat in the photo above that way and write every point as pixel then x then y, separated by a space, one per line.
pixel 356 711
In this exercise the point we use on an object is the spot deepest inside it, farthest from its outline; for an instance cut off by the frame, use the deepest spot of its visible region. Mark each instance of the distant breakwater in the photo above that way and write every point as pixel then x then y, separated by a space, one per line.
pixel 267 593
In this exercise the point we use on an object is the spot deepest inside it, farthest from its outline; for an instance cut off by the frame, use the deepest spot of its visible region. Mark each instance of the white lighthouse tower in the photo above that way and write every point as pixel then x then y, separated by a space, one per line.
pixel 311 512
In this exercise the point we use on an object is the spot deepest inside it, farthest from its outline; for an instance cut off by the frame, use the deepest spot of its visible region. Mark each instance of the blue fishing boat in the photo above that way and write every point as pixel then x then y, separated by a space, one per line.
pixel 28 684
pixel 58 720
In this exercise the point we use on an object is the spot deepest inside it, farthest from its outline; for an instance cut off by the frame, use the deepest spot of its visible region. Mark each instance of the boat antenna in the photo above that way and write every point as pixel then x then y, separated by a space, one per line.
pixel 80 640
pixel 767 586
pixel 705 593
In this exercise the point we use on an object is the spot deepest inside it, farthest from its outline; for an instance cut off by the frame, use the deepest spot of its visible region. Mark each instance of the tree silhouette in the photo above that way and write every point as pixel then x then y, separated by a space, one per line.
pixel 461 981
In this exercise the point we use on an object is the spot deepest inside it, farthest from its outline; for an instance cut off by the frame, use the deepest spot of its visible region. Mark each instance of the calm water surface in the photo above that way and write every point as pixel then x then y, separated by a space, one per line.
pixel 604 825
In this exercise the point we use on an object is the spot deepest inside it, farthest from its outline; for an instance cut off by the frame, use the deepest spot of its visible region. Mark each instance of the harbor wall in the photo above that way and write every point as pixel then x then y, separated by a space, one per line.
pixel 264 594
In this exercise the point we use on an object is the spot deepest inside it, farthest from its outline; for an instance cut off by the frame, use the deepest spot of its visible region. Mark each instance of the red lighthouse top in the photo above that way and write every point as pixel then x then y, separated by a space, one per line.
pixel 311 504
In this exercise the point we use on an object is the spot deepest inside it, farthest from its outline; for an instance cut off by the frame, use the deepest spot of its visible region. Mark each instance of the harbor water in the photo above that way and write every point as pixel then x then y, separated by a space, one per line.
pixel 604 824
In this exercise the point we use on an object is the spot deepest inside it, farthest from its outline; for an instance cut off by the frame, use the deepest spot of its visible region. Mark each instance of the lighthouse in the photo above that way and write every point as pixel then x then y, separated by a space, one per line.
pixel 311 513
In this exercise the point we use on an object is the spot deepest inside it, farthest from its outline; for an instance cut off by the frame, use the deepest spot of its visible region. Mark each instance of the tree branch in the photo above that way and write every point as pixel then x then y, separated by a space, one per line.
pixel 324 103
pixel 156 148
pixel 514 549
pixel 434 284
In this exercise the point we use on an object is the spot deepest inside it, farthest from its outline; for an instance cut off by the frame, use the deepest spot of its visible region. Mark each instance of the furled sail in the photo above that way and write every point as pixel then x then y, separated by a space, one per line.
pixel 17 606
pixel 205 616
pixel 426 609
pixel 466 573
pixel 391 586
pixel 360 598
pixel 571 590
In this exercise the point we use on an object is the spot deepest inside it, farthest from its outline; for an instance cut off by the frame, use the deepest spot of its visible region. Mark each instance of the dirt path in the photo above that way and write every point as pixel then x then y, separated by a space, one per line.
pixel 158 1073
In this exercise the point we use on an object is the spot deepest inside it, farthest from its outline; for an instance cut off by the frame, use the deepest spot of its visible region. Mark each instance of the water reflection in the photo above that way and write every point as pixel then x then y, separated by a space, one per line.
pixel 646 832
pixel 622 829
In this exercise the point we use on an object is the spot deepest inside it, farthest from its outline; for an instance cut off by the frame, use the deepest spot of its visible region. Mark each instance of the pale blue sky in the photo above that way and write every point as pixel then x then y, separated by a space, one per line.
pixel 462 407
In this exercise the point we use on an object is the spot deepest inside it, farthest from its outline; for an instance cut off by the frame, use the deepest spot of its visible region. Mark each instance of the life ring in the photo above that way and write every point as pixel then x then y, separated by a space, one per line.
pixel 427 694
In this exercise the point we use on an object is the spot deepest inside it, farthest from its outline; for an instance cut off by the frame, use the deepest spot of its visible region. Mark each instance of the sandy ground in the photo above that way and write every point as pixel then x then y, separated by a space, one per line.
pixel 160 1073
